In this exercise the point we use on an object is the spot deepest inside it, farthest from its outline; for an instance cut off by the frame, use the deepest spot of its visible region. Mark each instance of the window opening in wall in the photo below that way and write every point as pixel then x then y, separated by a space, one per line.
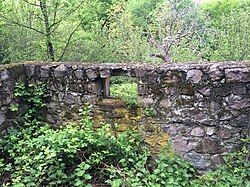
pixel 102 87
pixel 125 88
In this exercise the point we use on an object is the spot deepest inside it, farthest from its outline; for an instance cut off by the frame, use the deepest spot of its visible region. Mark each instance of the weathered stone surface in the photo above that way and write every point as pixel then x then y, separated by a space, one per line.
pixel 209 146
pixel 170 90
pixel 217 160
pixel 45 71
pixel 198 160
pixel 198 131
pixel 2 118
pixel 239 89
pixel 31 70
pixel 194 76
pixel 222 91
pixel 173 130
pixel 224 133
pixel 165 103
pixel 205 91
pixel 237 75
pixel 61 71
pixel 4 75
pixel 241 104
pixel 143 89
pixel 203 107
pixel 210 131
pixel 214 72
pixel 140 72
pixel 79 74
pixel 69 99
pixel 170 77
pixel 188 90
pixel 153 77
pixel 145 101
pixel 104 73
pixel 181 146
pixel 91 74
pixel 243 118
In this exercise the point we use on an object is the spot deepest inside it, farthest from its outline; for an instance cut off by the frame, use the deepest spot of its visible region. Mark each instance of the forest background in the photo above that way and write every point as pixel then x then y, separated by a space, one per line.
pixel 124 30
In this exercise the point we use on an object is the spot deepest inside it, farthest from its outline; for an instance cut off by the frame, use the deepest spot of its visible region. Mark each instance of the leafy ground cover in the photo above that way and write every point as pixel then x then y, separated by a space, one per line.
pixel 124 88
pixel 35 154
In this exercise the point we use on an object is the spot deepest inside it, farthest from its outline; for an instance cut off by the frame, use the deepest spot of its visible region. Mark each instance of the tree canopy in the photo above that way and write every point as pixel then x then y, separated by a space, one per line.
pixel 124 30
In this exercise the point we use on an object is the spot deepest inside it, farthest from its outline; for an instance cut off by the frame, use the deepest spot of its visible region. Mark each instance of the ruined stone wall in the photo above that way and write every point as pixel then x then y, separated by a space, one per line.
pixel 204 108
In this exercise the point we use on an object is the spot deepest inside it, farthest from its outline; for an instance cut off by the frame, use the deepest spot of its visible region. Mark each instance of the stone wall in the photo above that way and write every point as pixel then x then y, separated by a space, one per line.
pixel 204 108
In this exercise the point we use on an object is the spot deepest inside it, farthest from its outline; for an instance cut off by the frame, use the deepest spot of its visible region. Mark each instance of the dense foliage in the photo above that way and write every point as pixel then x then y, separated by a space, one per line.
pixel 124 30
pixel 124 88
pixel 35 154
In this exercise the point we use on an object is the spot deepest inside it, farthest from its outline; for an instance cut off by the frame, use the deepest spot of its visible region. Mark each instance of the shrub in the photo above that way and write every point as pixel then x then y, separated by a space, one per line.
pixel 165 170
pixel 124 88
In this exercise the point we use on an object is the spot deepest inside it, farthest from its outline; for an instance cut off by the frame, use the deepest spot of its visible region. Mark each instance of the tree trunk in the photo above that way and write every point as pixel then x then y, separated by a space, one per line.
pixel 50 47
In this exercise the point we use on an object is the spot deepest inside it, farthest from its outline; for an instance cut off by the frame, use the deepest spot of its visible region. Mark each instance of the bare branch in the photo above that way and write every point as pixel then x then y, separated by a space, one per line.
pixel 55 23
pixel 22 25
pixel 55 11
pixel 68 41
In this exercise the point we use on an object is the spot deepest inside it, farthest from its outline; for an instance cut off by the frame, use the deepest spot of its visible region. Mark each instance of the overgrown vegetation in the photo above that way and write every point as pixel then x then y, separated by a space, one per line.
pixel 124 30
pixel 35 154
pixel 124 88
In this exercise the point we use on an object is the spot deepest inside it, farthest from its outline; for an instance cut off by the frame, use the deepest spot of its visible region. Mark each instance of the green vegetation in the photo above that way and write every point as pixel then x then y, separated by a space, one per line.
pixel 35 154
pixel 235 171
pixel 124 30
pixel 124 88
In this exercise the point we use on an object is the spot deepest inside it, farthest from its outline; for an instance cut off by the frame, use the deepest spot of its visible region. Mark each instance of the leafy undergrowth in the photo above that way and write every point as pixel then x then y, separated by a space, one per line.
pixel 35 154
pixel 124 88
pixel 77 155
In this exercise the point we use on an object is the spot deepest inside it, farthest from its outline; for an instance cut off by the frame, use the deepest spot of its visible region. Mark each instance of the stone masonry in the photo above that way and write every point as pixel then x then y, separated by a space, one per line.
pixel 203 107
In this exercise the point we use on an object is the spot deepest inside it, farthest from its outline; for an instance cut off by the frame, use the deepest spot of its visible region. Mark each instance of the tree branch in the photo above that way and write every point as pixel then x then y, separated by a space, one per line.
pixel 22 25
pixel 68 41
pixel 55 23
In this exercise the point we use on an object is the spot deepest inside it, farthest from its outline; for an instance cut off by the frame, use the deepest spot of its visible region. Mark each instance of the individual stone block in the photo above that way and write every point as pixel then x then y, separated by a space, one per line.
pixel 224 133
pixel 30 70
pixel 165 103
pixel 181 145
pixel 145 101
pixel 237 75
pixel 61 71
pixel 214 72
pixel 205 91
pixel 91 74
pixel 198 131
pixel 187 90
pixel 198 160
pixel 210 131
pixel 240 104
pixel 170 77
pixel 2 118
pixel 209 146
pixel 45 71
pixel 239 89
pixel 105 73
pixel 4 75
pixel 217 160
pixel 194 76
pixel 79 74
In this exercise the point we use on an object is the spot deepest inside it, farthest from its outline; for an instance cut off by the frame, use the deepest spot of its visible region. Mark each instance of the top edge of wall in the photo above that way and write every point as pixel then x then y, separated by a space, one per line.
pixel 152 65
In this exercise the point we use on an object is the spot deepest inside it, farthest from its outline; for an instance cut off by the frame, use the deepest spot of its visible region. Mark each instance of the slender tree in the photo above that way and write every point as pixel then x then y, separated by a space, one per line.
pixel 177 23
pixel 45 17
